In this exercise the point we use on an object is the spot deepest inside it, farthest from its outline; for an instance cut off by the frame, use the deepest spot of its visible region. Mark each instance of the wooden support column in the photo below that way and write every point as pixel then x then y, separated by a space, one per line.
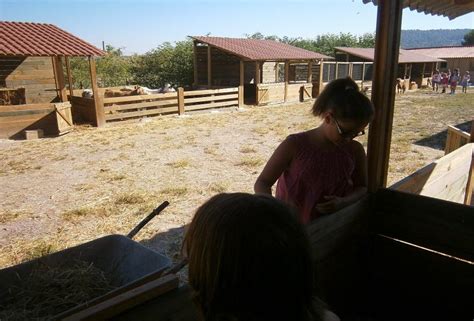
pixel 69 77
pixel 241 83
pixel 337 70
pixel 423 74
pixel 310 71
pixel 195 63
pixel 59 75
pixel 405 72
pixel 209 67
pixel 387 43
pixel 258 79
pixel 287 70
pixel 180 101
pixel 98 99
pixel 321 69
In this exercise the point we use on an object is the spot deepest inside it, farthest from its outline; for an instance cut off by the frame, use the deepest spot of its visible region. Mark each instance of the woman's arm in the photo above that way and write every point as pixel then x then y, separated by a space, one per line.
pixel 359 179
pixel 275 166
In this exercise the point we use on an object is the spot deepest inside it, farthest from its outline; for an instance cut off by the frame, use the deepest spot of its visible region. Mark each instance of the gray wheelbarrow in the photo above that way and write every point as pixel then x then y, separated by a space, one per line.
pixel 130 264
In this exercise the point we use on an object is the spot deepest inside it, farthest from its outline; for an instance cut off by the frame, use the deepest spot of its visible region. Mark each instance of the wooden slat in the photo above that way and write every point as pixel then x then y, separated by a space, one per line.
pixel 5 114
pixel 139 97
pixel 127 300
pixel 26 107
pixel 453 139
pixel 156 103
pixel 212 105
pixel 147 112
pixel 210 91
pixel 211 98
pixel 428 222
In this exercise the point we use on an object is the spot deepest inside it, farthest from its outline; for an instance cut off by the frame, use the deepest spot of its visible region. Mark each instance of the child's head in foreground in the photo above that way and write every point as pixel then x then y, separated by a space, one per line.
pixel 249 259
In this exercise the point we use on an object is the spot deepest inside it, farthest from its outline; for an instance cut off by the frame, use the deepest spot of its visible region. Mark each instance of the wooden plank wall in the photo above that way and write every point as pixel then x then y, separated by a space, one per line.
pixel 225 67
pixel 455 139
pixel 462 63
pixel 423 258
pixel 15 119
pixel 83 110
pixel 35 74
pixel 275 93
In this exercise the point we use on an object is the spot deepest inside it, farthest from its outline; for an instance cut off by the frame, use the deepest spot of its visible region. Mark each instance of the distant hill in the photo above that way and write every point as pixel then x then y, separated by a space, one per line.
pixel 432 38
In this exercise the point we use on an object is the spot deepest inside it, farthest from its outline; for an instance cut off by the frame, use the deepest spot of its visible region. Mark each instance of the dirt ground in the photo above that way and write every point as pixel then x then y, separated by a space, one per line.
pixel 62 191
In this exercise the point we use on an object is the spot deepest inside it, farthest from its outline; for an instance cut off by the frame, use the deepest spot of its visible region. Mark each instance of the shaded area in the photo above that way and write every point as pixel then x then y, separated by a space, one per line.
pixel 438 140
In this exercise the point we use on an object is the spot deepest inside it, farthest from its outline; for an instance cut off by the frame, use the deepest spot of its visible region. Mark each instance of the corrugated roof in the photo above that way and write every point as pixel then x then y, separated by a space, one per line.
pixel 41 39
pixel 257 49
pixel 405 56
pixel 447 8
pixel 446 52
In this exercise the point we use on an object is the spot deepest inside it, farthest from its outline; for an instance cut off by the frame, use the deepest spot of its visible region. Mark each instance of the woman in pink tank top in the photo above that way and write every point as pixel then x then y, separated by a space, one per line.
pixel 323 170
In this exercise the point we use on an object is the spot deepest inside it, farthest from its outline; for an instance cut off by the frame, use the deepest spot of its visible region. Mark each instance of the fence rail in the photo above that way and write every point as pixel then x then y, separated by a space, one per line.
pixel 121 108
pixel 455 139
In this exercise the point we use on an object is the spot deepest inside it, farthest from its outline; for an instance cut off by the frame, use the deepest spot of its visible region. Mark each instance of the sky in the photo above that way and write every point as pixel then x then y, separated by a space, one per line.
pixel 138 26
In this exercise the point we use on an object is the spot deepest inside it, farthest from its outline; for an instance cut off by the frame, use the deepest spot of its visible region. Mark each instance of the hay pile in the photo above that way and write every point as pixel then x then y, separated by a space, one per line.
pixel 49 290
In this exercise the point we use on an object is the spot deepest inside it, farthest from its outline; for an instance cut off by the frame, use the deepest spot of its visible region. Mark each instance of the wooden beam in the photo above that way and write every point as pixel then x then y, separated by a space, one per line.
pixel 258 80
pixel 387 43
pixel 241 73
pixel 209 67
pixel 287 69
pixel 98 100
pixel 195 63
pixel 310 71
pixel 321 69
pixel 69 77
pixel 59 75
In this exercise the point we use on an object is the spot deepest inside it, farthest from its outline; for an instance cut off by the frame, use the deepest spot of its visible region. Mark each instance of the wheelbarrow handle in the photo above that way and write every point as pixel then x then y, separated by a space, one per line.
pixel 147 219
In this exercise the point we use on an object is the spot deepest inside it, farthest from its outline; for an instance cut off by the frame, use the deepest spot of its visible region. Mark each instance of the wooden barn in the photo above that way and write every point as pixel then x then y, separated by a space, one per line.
pixel 267 71
pixel 34 71
pixel 455 57
pixel 412 66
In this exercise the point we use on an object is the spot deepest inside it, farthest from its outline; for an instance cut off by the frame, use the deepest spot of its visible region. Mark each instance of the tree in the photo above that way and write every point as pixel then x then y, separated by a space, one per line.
pixel 468 38
pixel 165 64
pixel 112 69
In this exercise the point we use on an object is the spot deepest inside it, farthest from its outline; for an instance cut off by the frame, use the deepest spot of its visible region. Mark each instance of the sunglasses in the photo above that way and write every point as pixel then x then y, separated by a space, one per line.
pixel 345 134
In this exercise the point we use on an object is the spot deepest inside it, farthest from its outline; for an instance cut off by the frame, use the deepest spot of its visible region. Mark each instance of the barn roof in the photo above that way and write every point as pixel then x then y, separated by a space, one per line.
pixel 258 49
pixel 446 52
pixel 405 56
pixel 41 39
pixel 447 8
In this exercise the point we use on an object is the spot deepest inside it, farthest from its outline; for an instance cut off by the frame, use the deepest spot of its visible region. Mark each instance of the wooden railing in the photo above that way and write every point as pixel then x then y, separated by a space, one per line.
pixel 121 108
pixel 449 178
pixel 455 139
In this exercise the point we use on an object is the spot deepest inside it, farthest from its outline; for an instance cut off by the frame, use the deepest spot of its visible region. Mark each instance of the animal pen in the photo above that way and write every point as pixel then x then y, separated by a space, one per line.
pixel 391 256
pixel 266 71
pixel 32 62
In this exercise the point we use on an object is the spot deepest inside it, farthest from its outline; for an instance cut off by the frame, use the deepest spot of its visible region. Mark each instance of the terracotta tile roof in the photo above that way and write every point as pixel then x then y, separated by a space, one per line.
pixel 257 49
pixel 41 39
pixel 405 56
pixel 447 8
pixel 446 52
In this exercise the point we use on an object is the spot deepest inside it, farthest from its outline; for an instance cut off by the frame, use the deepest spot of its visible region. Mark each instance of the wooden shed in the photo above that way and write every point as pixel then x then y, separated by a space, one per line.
pixel 461 57
pixel 33 90
pixel 267 71
pixel 412 66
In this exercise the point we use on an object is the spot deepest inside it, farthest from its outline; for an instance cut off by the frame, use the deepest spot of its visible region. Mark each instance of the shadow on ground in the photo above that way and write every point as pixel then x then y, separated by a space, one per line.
pixel 438 140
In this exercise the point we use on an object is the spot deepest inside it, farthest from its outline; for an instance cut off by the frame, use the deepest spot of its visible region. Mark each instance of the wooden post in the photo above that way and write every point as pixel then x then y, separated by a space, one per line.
pixel 69 77
pixel 423 74
pixel 180 101
pixel 195 61
pixel 387 43
pixel 287 70
pixel 59 75
pixel 310 71
pixel 351 67
pixel 336 74
pixel 241 83
pixel 321 69
pixel 405 72
pixel 209 67
pixel 257 73
pixel 472 131
pixel 98 100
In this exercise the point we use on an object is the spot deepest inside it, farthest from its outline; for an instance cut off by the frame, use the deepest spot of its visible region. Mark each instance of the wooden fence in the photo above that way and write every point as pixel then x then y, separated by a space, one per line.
pixel 122 108
pixel 449 178
pixel 455 139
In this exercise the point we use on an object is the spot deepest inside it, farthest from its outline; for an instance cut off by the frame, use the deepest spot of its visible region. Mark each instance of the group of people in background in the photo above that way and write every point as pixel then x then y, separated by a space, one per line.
pixel 451 80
